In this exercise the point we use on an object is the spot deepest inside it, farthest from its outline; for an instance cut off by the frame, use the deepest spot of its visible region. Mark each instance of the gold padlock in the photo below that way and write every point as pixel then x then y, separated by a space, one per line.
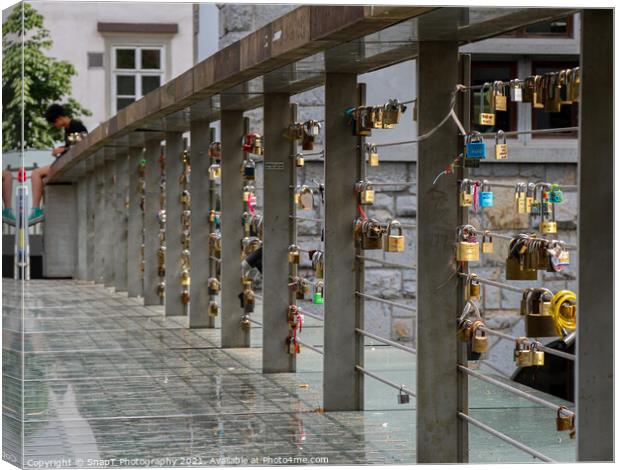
pixel 371 235
pixel 394 243
pixel 215 171
pixel 538 356
pixel 366 192
pixel 522 353
pixel 299 160
pixel 293 254
pixel 185 296
pixel 185 280
pixel 305 198
pixel 501 146
pixel 499 96
pixel 212 215
pixel 185 197
pixel 214 286
pixel 468 251
pixel 376 117
pixel 464 331
pixel 161 289
pixel 564 422
pixel 479 340
pixel 466 196
pixel 318 264
pixel 214 309
pixel 185 157
pixel 473 288
pixel 537 94
pixel 215 150
pixel 548 226
pixel 487 244
pixel 373 154
pixel 485 119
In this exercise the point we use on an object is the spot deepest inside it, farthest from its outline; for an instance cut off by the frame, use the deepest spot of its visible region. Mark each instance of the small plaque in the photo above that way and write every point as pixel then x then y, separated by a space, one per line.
pixel 274 165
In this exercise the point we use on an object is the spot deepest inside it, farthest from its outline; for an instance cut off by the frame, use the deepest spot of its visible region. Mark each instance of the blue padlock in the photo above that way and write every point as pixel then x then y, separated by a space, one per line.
pixel 555 194
pixel 475 146
pixel 485 198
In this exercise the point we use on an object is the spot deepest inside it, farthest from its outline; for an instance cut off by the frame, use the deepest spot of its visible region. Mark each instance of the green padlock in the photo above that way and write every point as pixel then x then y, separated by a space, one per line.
pixel 317 297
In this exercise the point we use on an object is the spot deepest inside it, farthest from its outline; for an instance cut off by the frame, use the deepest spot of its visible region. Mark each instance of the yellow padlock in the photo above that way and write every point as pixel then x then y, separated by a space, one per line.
pixel 394 243
pixel 214 309
pixel 548 226
pixel 293 254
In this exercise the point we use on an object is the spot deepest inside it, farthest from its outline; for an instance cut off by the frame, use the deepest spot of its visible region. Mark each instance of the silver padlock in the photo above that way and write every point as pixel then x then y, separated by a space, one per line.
pixel 403 397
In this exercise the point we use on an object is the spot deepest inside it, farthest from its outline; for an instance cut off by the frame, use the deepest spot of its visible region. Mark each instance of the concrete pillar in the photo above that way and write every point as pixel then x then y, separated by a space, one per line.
pixel 276 237
pixel 152 152
pixel 82 228
pixel 595 317
pixel 61 237
pixel 437 219
pixel 201 204
pixel 121 167
pixel 109 219
pixel 99 222
pixel 134 225
pixel 232 129
pixel 90 225
pixel 174 168
pixel 340 378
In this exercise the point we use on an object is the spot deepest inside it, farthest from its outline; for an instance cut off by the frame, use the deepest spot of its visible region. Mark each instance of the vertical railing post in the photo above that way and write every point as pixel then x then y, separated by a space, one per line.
pixel 91 182
pixel 82 229
pixel 174 168
pixel 340 377
pixel 134 225
pixel 121 168
pixel 232 130
pixel 212 198
pixel 595 318
pixel 278 164
pixel 109 215
pixel 201 204
pixel 99 222
pixel 437 219
pixel 152 153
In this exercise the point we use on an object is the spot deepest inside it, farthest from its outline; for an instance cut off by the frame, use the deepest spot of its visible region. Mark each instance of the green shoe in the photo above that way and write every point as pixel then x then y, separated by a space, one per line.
pixel 36 213
pixel 7 213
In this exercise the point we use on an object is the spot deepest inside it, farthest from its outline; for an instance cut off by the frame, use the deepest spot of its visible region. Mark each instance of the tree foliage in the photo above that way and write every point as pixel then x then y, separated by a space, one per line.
pixel 45 80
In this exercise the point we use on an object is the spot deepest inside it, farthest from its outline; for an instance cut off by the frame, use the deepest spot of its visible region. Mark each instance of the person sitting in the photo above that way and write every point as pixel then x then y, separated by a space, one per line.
pixel 7 193
pixel 57 117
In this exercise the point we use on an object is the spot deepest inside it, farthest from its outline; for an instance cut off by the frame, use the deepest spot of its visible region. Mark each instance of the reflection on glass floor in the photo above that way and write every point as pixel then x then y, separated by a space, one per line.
pixel 110 380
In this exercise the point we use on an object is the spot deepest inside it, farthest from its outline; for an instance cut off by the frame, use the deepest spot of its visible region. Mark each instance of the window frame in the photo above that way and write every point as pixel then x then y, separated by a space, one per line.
pixel 522 33
pixel 137 72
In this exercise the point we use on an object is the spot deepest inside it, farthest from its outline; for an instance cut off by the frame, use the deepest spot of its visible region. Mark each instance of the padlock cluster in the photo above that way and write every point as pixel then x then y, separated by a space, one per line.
pixel 470 330
pixel 476 149
pixel 527 255
pixel 367 118
pixel 142 196
pixel 215 154
pixel 248 302
pixel 253 143
pixel 185 227
pixel 306 289
pixel 161 218
pixel 295 321
pixel 475 193
pixel 305 132
pixel 547 314
pixel 253 233
pixel 370 234
pixel 538 200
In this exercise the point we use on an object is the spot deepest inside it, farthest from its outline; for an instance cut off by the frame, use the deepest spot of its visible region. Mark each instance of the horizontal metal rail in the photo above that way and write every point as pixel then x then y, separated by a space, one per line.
pixel 256 322
pixel 389 342
pixel 215 258
pixel 385 381
pixel 553 352
pixel 502 285
pixel 311 219
pixel 306 345
pixel 385 263
pixel 395 183
pixel 515 391
pixel 505 438
pixel 387 302
pixel 568 187
pixel 511 237
pixel 309 314
pixel 533 131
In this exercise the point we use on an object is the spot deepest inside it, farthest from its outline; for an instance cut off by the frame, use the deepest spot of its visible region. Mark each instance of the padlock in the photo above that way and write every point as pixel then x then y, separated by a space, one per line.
pixel 161 216
pixel 551 92
pixel 538 319
pixel 185 256
pixel 376 117
pixel 185 197
pixel 472 288
pixel 213 286
pixel 548 226
pixel 215 150
pixel 161 289
pixel 306 198
pixel 394 243
pixel 246 323
pixel 161 271
pixel 499 96
pixel 161 255
pixel 391 113
pixel 475 146
pixel 537 356
pixel 248 298
pixel 293 317
pixel 248 190
pixel 215 171
pixel 556 195
pixel 214 309
pixel 563 82
pixel 249 170
pixel 537 94
pixel 479 339
pixel 306 287
pixel 253 143
pixel 185 157
pixel 575 82
pixel 466 196
pixel 373 154
pixel 318 264
pixel 361 120
pixel 522 352
pixel 403 397
pixel 487 244
pixel 515 272
pixel 215 243
pixel 142 168
pixel 366 192
pixel 185 298
pixel 501 146
pixel 212 216
pixel 564 422
pixel 299 160
pixel 185 279
pixel 464 331
pixel 485 196
pixel 293 254
pixel 530 203
pixel 372 235
pixel 516 91
pixel 317 297
pixel 467 246
pixel 312 127
pixel 486 119
pixel 186 218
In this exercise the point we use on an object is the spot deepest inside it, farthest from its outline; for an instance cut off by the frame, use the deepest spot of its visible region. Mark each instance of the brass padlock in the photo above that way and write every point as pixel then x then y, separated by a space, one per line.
pixel 473 288
pixel 537 95
pixel 521 198
pixel 551 89
pixel 466 196
pixel 185 157
pixel 214 286
pixel 214 309
pixel 376 117
pixel 299 160
pixel 161 289
pixel 548 226
pixel 564 422
pixel 215 150
pixel 516 272
pixel 161 255
pixel 246 323
pixel 468 251
pixel 486 119
pixel 499 96
pixel 212 216
pixel 293 254
pixel 464 331
pixel 305 199
pixel 522 353
pixel 372 235
pixel 185 280
pixel 391 113
pixel 501 146
pixel 394 243
pixel 373 154
pixel 479 340
pixel 537 356
pixel 185 255
pixel 318 264
pixel 366 192
pixel 487 244
pixel 215 171
pixel 185 296
pixel 538 319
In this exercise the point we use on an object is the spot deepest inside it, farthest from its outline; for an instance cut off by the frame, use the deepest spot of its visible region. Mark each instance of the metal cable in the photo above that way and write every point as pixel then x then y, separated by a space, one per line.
pixel 311 219
pixel 505 438
pixel 388 302
pixel 533 131
pixel 495 283
pixel 385 381
pixel 389 342
pixel 306 345
pixel 385 263
pixel 308 314
pixel 511 237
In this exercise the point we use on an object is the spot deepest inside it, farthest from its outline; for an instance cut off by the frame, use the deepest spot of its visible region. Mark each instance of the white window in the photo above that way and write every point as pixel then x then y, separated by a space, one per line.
pixel 135 72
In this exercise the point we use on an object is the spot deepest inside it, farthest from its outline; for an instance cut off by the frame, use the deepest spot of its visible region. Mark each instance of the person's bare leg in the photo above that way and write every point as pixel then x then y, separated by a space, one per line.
pixel 37 184
pixel 7 188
